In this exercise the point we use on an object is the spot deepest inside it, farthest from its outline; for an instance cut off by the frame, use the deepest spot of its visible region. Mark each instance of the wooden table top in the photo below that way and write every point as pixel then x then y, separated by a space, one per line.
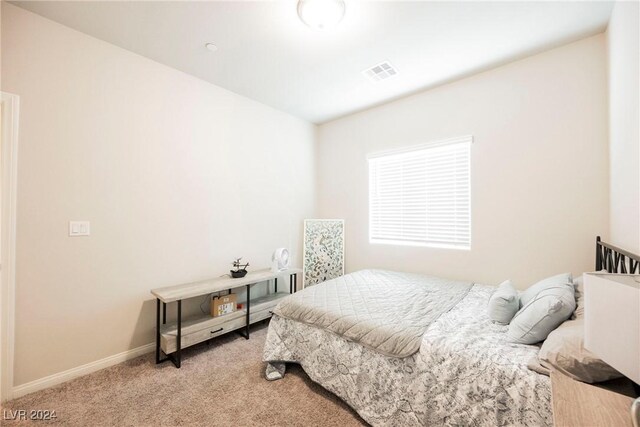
pixel 218 284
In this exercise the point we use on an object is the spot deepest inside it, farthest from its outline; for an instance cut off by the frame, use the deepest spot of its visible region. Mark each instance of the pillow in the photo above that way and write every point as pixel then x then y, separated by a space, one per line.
pixel 578 284
pixel 535 289
pixel 535 321
pixel 504 303
pixel 564 351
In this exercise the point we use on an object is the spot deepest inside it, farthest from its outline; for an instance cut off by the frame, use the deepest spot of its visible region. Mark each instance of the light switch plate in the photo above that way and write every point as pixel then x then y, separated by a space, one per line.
pixel 79 228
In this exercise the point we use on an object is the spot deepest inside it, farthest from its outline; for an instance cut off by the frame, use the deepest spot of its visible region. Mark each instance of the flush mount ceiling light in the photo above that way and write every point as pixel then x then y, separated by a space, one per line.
pixel 321 14
pixel 212 47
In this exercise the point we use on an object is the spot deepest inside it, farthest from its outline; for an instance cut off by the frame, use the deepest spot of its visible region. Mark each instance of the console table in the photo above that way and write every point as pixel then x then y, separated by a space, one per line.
pixel 173 337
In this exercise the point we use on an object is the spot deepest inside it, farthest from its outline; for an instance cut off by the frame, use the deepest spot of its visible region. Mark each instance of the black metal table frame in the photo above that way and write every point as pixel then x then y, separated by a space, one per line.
pixel 293 283
pixel 176 357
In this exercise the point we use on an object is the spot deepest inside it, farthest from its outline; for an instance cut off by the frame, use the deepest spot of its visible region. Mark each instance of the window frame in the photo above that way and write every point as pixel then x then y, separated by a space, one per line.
pixel 408 149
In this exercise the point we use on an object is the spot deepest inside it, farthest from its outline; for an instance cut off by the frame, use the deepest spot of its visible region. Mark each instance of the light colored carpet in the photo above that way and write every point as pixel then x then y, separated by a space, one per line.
pixel 221 385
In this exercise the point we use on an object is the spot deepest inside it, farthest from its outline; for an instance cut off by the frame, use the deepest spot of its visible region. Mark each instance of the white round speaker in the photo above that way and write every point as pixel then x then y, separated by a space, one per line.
pixel 280 260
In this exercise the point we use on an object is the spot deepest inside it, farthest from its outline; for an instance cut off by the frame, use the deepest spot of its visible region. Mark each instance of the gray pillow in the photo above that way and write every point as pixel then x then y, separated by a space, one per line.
pixel 504 303
pixel 549 308
pixel 564 351
pixel 578 284
pixel 533 290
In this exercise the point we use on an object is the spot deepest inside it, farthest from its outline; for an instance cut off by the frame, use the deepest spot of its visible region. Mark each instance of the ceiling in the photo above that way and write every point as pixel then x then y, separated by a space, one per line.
pixel 266 53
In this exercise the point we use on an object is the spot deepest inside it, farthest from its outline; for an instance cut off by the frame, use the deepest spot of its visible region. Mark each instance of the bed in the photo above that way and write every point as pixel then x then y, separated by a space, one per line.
pixel 463 372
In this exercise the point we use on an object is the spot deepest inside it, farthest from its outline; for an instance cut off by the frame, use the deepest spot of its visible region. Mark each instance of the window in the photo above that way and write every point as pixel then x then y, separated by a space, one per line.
pixel 421 195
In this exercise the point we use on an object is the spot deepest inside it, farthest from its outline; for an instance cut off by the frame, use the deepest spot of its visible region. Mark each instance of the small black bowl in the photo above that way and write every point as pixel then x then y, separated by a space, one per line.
pixel 236 274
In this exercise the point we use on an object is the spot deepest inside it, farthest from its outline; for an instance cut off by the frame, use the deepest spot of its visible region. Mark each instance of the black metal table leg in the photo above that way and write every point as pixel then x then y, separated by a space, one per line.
pixel 290 284
pixel 295 282
pixel 248 309
pixel 276 284
pixel 157 331
pixel 178 359
pixel 164 313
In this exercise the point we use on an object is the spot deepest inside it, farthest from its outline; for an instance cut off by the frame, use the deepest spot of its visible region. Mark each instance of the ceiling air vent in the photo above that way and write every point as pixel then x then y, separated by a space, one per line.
pixel 379 72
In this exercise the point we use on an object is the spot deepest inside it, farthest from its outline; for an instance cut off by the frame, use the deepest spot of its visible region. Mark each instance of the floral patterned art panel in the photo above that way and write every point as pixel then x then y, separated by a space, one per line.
pixel 323 250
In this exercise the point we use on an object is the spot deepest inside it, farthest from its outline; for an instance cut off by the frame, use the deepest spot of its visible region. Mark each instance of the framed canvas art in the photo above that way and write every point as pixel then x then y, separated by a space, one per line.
pixel 323 250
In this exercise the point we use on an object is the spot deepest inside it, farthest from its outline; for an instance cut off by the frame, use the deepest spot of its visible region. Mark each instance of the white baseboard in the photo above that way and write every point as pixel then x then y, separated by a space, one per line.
pixel 61 377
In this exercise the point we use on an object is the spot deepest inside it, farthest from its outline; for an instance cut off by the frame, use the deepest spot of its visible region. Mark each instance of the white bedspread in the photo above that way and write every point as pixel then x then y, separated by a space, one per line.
pixel 385 311
pixel 465 373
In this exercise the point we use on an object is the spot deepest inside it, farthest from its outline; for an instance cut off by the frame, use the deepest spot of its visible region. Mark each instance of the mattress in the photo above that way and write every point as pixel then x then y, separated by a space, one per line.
pixel 466 372
pixel 383 310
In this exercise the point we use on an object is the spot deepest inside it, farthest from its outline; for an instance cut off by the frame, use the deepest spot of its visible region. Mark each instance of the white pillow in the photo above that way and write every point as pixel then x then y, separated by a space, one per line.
pixel 535 289
pixel 578 284
pixel 564 351
pixel 540 316
pixel 504 303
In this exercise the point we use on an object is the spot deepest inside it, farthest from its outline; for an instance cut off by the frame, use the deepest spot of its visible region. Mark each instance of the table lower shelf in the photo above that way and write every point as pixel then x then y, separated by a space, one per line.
pixel 203 328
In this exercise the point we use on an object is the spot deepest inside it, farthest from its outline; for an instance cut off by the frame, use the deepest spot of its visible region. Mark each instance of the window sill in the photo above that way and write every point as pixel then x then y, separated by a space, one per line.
pixel 419 244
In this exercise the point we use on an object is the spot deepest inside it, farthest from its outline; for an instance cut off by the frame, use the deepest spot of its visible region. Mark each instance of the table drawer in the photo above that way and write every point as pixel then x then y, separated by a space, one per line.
pixel 168 342
pixel 260 315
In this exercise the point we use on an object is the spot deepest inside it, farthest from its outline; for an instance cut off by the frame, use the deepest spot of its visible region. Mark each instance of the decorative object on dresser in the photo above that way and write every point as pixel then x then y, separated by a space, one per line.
pixel 280 260
pixel 239 270
pixel 323 250
pixel 171 338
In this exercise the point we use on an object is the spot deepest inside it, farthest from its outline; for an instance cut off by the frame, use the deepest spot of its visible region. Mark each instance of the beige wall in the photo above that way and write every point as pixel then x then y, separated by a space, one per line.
pixel 624 124
pixel 177 177
pixel 539 167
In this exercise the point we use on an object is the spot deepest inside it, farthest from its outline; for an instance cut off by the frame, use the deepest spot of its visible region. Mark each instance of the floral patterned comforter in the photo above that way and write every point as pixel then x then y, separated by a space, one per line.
pixel 466 372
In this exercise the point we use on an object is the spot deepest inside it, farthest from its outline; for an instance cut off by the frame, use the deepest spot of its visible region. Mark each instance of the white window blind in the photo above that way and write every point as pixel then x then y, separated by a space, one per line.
pixel 421 195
